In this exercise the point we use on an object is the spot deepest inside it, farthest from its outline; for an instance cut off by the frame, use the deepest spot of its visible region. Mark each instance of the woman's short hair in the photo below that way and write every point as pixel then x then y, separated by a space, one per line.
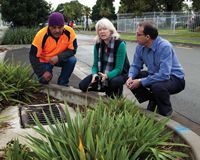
pixel 149 29
pixel 106 23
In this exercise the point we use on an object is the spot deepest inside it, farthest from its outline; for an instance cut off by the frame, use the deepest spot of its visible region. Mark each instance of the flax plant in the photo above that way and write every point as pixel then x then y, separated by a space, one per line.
pixel 113 130
pixel 16 151
pixel 16 84
pixel 21 35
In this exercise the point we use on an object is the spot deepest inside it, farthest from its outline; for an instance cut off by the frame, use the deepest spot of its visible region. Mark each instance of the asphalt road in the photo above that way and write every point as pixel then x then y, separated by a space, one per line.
pixel 186 103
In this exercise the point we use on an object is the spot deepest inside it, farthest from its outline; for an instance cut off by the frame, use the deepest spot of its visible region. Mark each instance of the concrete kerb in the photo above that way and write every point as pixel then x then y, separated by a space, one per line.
pixel 191 138
pixel 71 95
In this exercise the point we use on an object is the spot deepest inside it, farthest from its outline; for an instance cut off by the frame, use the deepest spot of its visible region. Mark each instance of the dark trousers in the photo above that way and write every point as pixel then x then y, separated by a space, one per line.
pixel 159 92
pixel 113 88
pixel 67 68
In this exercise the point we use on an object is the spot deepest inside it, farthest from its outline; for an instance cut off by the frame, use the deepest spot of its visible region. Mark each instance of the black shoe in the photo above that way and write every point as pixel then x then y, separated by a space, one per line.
pixel 151 106
pixel 168 114
pixel 43 81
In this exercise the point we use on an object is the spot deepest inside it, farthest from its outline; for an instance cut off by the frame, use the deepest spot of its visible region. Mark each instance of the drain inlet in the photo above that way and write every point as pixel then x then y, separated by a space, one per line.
pixel 26 114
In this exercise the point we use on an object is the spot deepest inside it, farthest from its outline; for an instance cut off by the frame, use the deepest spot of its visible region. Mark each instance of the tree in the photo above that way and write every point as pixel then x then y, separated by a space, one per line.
pixel 107 9
pixel 186 8
pixel 103 8
pixel 96 10
pixel 25 12
pixel 138 7
pixel 60 8
pixel 134 6
pixel 196 5
pixel 171 5
pixel 71 10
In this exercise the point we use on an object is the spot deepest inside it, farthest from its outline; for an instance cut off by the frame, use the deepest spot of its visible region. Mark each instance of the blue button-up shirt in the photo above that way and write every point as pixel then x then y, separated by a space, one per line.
pixel 160 60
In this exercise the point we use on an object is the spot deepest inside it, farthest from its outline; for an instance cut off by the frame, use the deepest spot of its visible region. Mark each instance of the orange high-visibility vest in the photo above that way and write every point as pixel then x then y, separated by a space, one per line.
pixel 47 46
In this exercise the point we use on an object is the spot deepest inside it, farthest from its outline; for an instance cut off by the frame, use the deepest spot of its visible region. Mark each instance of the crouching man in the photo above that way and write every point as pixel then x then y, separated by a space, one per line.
pixel 54 45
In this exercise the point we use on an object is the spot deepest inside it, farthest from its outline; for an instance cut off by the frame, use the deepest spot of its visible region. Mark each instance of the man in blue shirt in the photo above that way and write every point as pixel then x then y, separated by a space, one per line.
pixel 162 75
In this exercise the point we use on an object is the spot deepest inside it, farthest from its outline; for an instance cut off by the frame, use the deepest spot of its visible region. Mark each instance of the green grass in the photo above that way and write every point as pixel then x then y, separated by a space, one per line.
pixel 182 36
pixel 178 36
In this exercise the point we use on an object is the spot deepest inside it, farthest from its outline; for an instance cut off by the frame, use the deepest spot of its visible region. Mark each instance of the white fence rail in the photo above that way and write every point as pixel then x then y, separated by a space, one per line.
pixel 128 23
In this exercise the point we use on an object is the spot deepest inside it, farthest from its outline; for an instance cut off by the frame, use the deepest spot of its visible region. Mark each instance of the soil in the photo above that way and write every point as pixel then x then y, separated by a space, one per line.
pixel 39 98
pixel 177 139
pixel 42 98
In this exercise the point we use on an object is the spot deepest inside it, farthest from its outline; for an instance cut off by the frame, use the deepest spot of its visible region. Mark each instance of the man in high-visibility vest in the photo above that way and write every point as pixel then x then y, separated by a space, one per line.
pixel 54 45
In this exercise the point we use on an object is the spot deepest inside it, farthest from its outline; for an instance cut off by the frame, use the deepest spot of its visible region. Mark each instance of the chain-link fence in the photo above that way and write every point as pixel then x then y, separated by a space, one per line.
pixel 163 20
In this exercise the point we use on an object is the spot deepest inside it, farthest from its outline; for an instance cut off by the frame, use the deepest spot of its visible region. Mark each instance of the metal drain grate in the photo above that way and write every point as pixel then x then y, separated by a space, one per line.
pixel 26 114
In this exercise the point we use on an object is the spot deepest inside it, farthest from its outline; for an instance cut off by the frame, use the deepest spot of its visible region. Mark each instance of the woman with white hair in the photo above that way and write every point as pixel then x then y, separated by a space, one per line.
pixel 110 66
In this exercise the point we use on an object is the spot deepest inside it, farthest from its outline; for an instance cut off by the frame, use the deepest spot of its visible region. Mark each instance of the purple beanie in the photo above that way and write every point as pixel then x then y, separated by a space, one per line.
pixel 56 19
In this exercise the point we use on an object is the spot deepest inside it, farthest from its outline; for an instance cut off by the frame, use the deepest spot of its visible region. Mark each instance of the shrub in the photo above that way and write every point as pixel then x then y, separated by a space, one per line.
pixel 113 130
pixel 16 84
pixel 16 151
pixel 20 35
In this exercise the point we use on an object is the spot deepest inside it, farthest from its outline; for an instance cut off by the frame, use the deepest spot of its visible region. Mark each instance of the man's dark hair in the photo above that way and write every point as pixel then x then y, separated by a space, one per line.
pixel 149 29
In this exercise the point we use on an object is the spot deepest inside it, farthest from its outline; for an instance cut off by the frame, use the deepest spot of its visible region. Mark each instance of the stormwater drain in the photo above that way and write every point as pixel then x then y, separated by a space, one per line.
pixel 26 114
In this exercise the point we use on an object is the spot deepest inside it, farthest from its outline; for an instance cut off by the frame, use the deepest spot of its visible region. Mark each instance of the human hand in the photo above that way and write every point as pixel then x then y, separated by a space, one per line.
pixel 129 82
pixel 47 76
pixel 133 83
pixel 53 60
pixel 94 78
pixel 136 83
pixel 103 76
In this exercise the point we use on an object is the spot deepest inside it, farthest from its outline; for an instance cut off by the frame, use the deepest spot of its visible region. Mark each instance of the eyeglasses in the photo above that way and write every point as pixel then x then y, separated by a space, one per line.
pixel 139 34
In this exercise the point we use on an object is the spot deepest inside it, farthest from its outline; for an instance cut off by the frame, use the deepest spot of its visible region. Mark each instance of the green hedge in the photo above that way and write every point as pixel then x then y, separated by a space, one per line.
pixel 20 35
